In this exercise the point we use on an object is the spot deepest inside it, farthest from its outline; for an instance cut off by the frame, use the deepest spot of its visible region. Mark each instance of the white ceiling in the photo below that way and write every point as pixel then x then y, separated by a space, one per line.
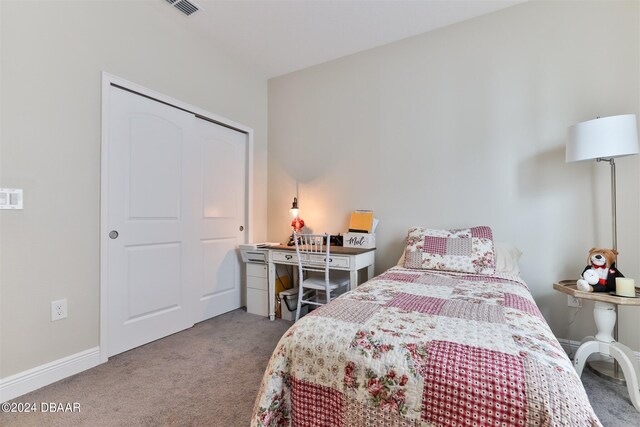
pixel 278 37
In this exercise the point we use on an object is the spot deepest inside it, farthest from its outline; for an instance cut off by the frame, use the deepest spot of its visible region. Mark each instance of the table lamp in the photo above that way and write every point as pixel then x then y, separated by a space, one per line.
pixel 297 223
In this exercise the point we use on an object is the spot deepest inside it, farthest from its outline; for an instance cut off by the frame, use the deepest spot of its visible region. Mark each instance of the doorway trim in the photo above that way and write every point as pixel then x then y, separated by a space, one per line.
pixel 109 80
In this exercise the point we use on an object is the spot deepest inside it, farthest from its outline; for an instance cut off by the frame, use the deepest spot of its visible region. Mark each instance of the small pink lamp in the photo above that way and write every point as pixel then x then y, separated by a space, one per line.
pixel 297 222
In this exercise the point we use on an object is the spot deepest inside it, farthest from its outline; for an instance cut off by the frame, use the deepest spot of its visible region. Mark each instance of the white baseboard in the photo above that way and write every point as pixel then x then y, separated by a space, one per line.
pixel 40 376
pixel 571 346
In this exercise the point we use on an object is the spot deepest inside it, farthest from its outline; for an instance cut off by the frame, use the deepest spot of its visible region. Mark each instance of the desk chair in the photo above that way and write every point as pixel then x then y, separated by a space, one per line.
pixel 313 253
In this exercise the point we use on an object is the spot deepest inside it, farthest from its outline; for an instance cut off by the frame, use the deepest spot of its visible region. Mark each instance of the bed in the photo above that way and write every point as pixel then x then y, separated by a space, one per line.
pixel 425 347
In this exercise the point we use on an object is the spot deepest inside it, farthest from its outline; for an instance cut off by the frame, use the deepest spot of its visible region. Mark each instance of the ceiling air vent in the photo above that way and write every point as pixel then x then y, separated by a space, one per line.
pixel 184 6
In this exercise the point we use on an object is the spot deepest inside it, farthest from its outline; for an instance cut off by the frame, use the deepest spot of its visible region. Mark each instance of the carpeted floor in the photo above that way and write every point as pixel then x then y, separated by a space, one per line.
pixel 209 376
pixel 205 376
pixel 610 401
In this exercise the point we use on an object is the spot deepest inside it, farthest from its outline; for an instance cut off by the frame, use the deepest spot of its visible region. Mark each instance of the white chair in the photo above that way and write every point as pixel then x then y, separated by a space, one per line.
pixel 313 253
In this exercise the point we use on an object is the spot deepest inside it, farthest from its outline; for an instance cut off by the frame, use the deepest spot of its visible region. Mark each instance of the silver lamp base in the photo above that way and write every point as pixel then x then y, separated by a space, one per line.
pixel 606 369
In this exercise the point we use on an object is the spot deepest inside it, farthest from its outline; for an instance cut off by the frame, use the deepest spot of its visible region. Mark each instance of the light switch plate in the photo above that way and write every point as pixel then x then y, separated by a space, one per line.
pixel 11 198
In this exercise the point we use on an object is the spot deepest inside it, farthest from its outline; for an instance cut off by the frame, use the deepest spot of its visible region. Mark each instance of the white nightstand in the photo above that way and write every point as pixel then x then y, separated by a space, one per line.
pixel 603 342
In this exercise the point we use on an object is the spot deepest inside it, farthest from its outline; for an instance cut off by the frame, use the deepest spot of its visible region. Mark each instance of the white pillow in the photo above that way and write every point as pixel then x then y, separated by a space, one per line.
pixel 507 256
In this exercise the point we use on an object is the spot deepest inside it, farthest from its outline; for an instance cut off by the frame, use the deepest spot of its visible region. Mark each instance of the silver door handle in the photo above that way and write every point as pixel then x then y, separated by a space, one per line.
pixel 113 234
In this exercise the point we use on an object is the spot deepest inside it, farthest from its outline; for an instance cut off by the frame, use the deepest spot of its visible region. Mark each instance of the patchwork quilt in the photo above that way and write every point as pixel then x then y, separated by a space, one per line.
pixel 424 348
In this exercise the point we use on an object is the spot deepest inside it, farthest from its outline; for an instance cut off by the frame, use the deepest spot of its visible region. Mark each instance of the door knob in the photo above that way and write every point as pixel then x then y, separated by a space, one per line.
pixel 241 228
pixel 113 234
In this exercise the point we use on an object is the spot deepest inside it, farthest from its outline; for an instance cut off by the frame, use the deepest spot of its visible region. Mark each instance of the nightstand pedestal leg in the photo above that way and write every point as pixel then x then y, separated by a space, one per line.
pixel 604 314
pixel 587 338
pixel 583 352
pixel 604 343
pixel 629 364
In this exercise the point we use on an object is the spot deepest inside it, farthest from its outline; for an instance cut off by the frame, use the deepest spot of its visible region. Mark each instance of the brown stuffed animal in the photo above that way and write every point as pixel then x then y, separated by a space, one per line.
pixel 601 272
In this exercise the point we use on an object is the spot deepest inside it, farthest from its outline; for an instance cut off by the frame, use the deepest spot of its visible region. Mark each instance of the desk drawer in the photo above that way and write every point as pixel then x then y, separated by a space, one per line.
pixel 257 302
pixel 256 270
pixel 287 257
pixel 334 260
pixel 257 283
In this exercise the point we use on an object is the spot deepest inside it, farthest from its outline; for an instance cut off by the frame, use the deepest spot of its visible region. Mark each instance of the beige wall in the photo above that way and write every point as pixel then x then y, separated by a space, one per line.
pixel 52 57
pixel 465 126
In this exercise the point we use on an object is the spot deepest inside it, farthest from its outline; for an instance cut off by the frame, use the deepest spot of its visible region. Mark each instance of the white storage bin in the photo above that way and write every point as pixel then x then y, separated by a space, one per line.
pixel 359 240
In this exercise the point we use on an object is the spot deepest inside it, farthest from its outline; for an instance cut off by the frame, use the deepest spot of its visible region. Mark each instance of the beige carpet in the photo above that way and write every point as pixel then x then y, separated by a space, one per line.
pixel 205 376
pixel 209 376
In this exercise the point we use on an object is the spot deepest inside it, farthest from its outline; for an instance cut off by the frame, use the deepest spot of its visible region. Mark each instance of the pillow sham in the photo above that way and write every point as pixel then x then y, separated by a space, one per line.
pixel 506 254
pixel 467 250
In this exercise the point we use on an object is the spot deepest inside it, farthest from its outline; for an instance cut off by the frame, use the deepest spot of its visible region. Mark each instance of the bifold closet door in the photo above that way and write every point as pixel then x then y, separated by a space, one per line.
pixel 171 249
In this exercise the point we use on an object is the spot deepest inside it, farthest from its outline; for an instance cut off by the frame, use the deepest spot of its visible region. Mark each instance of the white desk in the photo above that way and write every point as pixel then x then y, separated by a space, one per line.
pixel 340 258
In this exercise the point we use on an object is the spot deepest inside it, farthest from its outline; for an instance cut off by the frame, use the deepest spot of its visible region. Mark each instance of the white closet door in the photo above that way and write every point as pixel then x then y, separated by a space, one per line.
pixel 176 214
pixel 148 284
pixel 220 217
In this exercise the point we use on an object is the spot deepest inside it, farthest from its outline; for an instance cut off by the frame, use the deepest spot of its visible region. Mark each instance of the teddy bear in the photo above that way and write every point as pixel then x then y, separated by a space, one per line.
pixel 601 272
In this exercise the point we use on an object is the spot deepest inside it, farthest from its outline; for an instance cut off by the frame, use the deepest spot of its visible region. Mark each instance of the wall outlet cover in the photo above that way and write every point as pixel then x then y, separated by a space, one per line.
pixel 11 198
pixel 58 309
pixel 573 301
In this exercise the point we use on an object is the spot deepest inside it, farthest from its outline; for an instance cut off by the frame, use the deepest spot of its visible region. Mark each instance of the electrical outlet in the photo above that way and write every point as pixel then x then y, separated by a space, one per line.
pixel 58 309
pixel 11 198
pixel 573 301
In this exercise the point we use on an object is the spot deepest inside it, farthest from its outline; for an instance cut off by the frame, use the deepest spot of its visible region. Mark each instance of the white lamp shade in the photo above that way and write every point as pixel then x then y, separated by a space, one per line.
pixel 606 137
